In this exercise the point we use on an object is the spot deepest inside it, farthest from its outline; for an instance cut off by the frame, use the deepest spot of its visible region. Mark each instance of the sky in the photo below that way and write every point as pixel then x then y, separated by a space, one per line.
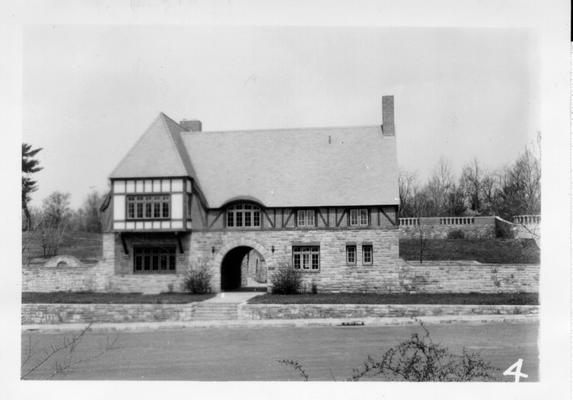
pixel 90 91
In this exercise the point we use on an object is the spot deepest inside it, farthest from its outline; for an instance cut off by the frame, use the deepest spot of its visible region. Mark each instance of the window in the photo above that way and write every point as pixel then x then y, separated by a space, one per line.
pixel 243 215
pixel 148 206
pixel 305 218
pixel 306 258
pixel 351 254
pixel 154 260
pixel 359 217
pixel 367 252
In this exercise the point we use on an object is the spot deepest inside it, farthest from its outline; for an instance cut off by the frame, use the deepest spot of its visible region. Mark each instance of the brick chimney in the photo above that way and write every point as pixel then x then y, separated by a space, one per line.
pixel 192 125
pixel 388 128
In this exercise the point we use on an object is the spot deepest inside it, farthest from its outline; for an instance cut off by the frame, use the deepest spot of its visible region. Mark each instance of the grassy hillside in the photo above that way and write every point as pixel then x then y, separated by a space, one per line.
pixel 499 251
pixel 86 246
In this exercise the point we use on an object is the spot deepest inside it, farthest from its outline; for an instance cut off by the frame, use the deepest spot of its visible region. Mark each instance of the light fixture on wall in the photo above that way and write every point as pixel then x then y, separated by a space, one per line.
pixel 273 249
pixel 213 250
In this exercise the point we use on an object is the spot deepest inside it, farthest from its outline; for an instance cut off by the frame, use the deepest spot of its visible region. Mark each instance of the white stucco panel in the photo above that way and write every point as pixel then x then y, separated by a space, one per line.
pixel 119 207
pixel 177 206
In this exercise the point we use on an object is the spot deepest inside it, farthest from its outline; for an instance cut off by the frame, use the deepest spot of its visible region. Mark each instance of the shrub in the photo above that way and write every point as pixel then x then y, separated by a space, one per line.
pixel 418 359
pixel 456 234
pixel 286 280
pixel 314 288
pixel 198 278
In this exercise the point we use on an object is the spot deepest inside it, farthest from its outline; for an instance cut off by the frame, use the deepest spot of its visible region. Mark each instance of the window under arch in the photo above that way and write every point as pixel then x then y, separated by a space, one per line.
pixel 243 215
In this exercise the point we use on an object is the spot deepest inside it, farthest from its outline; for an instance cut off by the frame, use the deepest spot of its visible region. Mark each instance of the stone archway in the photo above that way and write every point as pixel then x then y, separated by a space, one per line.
pixel 233 273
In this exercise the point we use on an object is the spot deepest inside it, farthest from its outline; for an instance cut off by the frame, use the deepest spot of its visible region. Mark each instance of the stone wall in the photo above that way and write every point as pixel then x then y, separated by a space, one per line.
pixel 438 228
pixel 300 311
pixel 334 274
pixel 466 278
pixel 79 277
pixel 109 313
pixel 387 273
pixel 85 313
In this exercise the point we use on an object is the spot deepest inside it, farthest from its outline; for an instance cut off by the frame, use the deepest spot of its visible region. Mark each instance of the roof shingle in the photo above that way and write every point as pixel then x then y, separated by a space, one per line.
pixel 307 167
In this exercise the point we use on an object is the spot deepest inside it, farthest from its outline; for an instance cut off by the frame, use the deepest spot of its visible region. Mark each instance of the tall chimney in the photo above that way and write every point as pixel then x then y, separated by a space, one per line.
pixel 193 125
pixel 388 128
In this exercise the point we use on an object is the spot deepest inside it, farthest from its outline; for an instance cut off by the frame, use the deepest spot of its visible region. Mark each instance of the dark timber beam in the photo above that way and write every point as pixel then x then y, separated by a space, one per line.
pixel 216 218
pixel 122 237
pixel 321 217
pixel 271 223
pixel 288 219
pixel 387 217
pixel 341 217
pixel 178 237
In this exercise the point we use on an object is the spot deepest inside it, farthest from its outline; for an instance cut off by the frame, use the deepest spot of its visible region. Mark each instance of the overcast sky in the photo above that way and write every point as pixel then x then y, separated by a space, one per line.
pixel 91 91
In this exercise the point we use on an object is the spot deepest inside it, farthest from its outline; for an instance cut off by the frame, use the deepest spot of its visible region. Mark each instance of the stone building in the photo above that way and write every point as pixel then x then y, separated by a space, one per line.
pixel 324 200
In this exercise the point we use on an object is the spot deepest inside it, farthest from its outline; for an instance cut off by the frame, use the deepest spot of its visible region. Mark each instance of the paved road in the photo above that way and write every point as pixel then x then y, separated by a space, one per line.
pixel 240 353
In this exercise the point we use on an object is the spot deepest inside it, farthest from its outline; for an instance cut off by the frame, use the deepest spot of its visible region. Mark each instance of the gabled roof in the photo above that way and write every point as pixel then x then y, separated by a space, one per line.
pixel 307 167
pixel 296 167
pixel 159 152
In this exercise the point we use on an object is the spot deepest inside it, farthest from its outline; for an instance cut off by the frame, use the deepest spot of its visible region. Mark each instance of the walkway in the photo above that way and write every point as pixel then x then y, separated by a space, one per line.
pixel 223 307
pixel 233 297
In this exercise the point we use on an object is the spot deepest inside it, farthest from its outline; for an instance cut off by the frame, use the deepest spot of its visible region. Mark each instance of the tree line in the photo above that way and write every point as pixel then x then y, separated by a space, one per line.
pixel 508 191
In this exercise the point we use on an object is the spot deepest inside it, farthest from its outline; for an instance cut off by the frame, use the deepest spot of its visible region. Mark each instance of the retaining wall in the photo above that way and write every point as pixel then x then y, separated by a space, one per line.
pixel 300 311
pixel 438 228
pixel 85 313
pixel 430 277
pixel 101 313
pixel 65 273
pixel 467 278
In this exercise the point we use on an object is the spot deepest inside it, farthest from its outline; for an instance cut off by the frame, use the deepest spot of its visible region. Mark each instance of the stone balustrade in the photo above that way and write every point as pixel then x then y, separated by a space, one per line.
pixel 527 219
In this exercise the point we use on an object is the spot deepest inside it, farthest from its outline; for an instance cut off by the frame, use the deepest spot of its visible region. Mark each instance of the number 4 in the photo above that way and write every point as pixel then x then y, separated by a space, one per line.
pixel 515 369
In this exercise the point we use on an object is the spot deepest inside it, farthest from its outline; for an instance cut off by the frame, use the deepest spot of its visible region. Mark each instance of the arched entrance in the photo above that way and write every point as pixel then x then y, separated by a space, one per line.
pixel 243 268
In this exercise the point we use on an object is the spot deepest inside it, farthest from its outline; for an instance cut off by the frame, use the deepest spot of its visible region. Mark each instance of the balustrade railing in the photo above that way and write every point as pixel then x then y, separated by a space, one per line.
pixel 409 221
pixel 527 219
pixel 457 220
pixel 437 221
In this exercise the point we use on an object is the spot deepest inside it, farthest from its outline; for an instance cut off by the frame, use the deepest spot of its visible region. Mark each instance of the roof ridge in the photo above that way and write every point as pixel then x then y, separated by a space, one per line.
pixel 164 120
pixel 307 128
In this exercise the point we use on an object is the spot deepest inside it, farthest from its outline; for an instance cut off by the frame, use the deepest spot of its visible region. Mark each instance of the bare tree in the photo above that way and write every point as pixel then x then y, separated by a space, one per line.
pixel 87 218
pixel 520 187
pixel 55 216
pixel 420 206
pixel 439 187
pixel 407 186
pixel 471 181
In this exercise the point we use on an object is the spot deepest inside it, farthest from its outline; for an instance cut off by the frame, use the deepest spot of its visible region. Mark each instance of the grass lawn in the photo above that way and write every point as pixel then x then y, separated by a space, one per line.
pixel 112 298
pixel 399 298
pixel 497 251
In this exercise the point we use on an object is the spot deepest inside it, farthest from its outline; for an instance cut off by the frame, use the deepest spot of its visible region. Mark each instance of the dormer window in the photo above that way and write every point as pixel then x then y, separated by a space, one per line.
pixel 359 217
pixel 243 216
pixel 305 218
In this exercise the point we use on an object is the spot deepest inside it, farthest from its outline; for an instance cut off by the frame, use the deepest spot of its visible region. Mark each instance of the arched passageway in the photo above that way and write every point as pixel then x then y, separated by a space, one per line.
pixel 243 268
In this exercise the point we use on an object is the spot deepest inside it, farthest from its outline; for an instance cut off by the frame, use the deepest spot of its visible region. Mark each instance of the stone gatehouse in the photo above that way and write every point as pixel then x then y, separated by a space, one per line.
pixel 324 200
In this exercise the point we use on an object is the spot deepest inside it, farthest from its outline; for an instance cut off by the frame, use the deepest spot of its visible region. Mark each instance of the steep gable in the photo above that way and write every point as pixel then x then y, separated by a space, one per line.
pixel 159 152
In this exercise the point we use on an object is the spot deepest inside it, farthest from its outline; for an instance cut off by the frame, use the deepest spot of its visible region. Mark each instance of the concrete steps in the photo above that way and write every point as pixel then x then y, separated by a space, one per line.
pixel 219 311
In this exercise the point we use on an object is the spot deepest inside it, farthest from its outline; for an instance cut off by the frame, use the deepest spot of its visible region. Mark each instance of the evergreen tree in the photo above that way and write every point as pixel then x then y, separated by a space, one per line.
pixel 30 165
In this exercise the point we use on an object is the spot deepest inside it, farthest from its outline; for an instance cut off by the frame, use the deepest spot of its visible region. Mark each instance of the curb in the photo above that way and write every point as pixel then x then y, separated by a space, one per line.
pixel 352 323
